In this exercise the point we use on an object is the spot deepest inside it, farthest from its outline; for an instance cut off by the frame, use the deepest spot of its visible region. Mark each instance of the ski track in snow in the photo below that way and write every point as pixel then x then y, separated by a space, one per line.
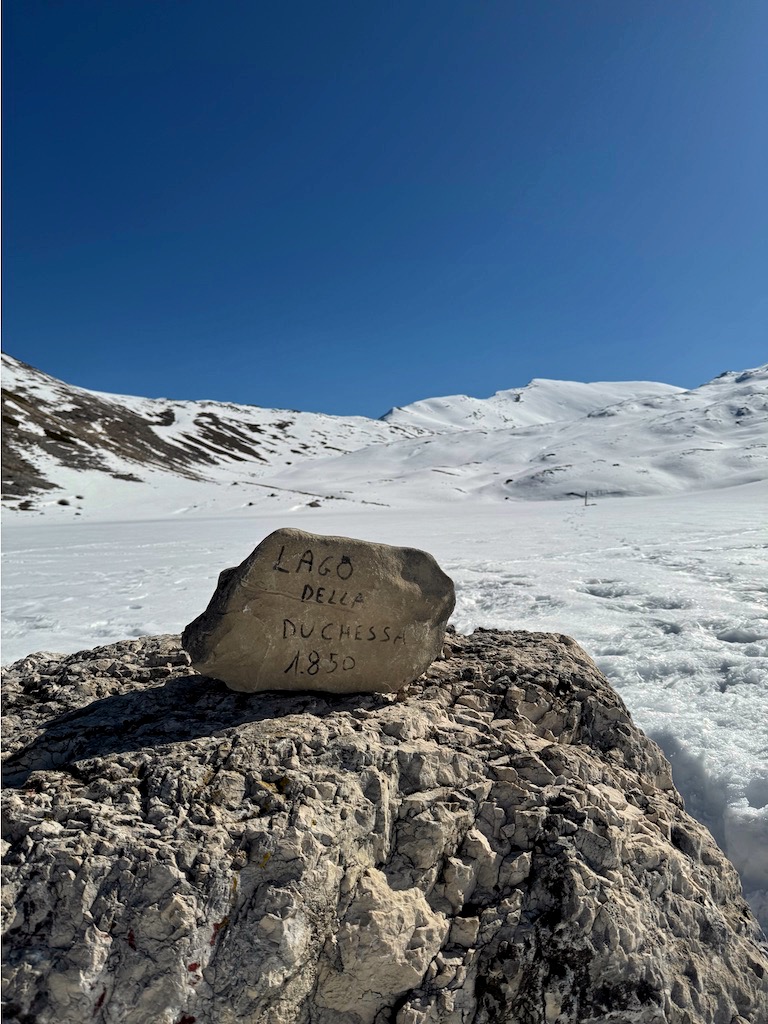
pixel 668 595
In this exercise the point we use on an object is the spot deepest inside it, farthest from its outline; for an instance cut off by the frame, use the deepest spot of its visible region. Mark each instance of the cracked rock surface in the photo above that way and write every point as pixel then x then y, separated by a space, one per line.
pixel 498 844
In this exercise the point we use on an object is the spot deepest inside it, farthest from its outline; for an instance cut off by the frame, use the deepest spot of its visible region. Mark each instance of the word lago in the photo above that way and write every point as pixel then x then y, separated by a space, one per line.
pixel 308 612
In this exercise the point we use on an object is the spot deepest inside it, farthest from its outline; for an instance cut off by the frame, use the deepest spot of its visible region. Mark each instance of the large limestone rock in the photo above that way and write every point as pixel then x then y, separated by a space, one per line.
pixel 309 612
pixel 500 846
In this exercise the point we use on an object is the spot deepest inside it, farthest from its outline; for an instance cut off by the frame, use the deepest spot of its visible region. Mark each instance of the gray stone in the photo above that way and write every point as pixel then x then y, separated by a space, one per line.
pixel 309 612
pixel 500 846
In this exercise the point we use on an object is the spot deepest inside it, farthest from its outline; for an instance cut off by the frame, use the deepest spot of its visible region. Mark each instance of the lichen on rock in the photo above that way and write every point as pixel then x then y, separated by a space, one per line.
pixel 499 844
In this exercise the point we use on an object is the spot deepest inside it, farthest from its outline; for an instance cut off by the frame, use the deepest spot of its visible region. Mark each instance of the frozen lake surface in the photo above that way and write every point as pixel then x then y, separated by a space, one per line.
pixel 668 594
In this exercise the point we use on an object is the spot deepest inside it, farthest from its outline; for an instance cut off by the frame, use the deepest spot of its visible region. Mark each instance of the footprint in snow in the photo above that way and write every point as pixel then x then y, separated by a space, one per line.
pixel 607 588
pixel 667 603
pixel 744 634
pixel 668 628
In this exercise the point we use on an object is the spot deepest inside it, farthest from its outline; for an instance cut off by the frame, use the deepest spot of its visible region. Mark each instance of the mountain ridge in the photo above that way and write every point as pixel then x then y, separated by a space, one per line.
pixel 50 426
pixel 67 449
pixel 542 400
pixel 710 437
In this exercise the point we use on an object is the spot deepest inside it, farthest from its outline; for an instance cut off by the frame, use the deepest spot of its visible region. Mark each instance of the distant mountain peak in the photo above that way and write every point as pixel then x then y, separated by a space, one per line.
pixel 541 401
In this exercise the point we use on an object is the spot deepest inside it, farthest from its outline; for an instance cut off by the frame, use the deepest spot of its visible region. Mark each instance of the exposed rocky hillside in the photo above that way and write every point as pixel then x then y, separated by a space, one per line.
pixel 499 844
pixel 50 427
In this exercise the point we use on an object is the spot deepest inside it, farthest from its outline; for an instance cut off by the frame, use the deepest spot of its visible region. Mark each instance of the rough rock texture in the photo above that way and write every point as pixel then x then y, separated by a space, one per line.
pixel 499 845
pixel 312 612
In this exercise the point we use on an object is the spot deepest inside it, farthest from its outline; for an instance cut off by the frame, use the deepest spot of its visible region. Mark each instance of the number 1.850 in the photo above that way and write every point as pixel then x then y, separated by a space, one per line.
pixel 313 662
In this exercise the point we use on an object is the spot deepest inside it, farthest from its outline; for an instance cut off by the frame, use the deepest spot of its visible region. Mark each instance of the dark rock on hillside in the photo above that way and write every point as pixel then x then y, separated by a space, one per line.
pixel 82 431
pixel 49 425
pixel 500 844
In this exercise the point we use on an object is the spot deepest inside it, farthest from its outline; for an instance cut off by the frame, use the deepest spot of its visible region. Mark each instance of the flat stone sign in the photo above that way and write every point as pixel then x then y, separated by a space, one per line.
pixel 308 612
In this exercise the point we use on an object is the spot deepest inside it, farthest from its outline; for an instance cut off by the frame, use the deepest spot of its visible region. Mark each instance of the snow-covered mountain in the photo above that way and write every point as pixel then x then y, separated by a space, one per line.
pixel 658 440
pixel 541 401
pixel 68 450
pixel 58 438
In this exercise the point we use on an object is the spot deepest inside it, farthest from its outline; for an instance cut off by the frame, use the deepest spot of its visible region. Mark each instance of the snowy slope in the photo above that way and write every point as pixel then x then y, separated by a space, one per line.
pixel 673 441
pixel 541 401
pixel 60 441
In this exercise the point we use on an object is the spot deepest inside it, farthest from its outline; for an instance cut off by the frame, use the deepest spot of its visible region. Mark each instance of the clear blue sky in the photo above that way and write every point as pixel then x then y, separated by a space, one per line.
pixel 345 206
